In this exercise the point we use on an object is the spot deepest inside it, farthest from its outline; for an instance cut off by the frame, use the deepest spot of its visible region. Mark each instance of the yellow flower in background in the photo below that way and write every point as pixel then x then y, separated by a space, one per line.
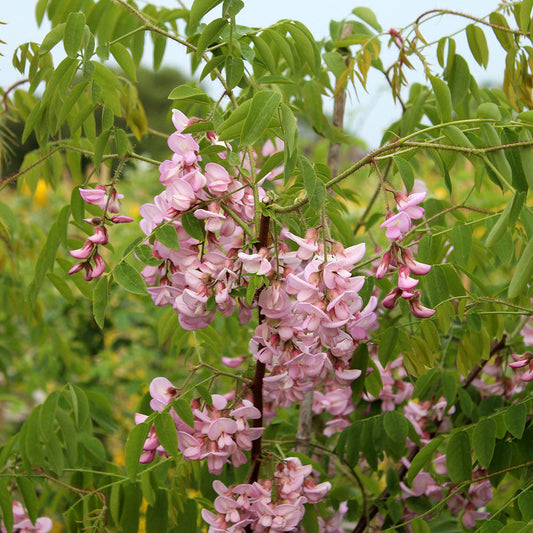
pixel 41 192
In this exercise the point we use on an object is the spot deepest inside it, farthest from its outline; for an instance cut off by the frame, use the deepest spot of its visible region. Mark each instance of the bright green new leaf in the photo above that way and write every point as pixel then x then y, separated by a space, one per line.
pixel 478 44
pixel 52 38
pixel 198 9
pixel 443 97
pixel 368 16
pixel 190 94
pixel 74 33
pixel 124 59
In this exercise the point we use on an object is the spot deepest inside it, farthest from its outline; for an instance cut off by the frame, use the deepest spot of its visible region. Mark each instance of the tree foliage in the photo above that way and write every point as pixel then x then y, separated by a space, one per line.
pixel 271 281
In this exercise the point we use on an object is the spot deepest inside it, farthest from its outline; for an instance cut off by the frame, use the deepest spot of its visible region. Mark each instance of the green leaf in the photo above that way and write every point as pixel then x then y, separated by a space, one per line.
pixel 456 137
pixel 189 94
pixel 134 448
pixel 157 514
pixel 6 506
pixel 167 235
pixel 310 519
pixel 47 414
pixel 478 44
pixel 523 272
pixel 145 255
pixel 525 15
pixel 183 410
pixel 505 37
pixel 77 205
pixel 210 34
pixel 29 498
pixel 368 16
pixel 443 97
pixel 131 504
pixel 52 38
pixel 230 8
pixel 124 59
pixel 406 172
pixel 525 504
pixel 515 419
pixel 484 441
pixel 198 9
pixel 420 526
pixel 62 286
pixel 234 71
pixel 423 457
pixel 167 433
pixel 122 142
pixel 74 33
pixel 489 110
pixel 100 146
pixel 290 130
pixel 462 243
pixel 128 278
pixel 100 294
pixel 193 226
pixel 262 109
pixel 458 458
pixel 396 426
pixel 232 126
pixel 54 454
pixel 314 186
pixel 388 345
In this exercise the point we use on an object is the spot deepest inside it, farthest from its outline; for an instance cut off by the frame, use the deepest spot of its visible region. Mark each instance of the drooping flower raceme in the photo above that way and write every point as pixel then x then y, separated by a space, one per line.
pixel 107 199
pixel 219 433
pixel 400 258
pixel 266 506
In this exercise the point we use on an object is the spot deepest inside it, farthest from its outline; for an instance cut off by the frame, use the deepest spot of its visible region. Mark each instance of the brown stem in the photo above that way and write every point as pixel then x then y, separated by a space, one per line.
pixel 257 385
pixel 496 346
pixel 339 105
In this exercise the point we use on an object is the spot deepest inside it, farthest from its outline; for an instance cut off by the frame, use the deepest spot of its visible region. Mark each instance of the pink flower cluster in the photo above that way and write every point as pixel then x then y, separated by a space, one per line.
pixel 266 506
pixel 22 524
pixel 400 258
pixel 199 278
pixel 219 433
pixel 92 263
pixel 313 321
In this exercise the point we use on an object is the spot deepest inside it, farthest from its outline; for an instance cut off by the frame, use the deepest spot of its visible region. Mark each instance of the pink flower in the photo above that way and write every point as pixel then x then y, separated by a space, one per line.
pixel 396 225
pixel 418 309
pixel 84 252
pixel 417 268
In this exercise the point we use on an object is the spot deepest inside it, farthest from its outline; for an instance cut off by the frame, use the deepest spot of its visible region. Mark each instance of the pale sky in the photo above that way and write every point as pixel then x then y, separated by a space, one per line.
pixel 368 113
